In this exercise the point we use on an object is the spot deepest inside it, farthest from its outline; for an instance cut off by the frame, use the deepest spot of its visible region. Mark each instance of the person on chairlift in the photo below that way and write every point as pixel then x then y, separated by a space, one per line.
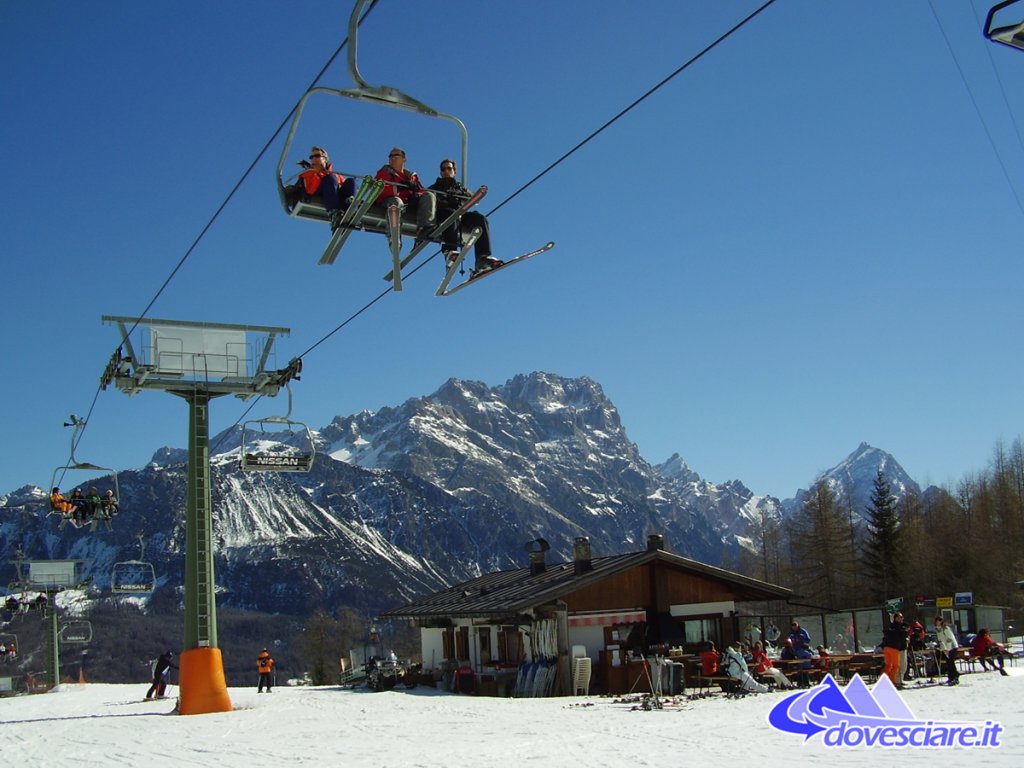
pixel 92 504
pixel 77 506
pixel 405 189
pixel 108 505
pixel 320 180
pixel 59 503
pixel 450 196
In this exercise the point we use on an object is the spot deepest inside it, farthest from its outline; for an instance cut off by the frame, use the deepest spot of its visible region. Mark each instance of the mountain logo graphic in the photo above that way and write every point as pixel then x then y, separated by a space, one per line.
pixel 859 717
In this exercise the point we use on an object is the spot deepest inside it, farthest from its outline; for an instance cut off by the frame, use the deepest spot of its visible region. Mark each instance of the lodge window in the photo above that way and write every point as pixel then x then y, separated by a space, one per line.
pixel 448 641
pixel 484 635
pixel 510 644
pixel 699 631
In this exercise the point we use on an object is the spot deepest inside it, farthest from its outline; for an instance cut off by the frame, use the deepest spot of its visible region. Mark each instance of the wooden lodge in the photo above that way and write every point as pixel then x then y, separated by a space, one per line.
pixel 584 625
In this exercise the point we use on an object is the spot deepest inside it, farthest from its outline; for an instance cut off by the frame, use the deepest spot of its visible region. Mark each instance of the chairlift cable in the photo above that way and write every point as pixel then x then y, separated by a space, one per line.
pixel 558 162
pixel 651 91
pixel 508 199
pixel 223 205
pixel 245 175
pixel 532 181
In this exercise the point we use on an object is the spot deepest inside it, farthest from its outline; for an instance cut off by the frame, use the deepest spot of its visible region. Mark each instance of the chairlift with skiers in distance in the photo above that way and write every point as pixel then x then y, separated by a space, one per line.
pixel 84 509
pixel 8 646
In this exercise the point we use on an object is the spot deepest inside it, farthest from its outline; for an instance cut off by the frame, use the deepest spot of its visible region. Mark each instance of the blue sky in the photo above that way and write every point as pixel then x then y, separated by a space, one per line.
pixel 808 239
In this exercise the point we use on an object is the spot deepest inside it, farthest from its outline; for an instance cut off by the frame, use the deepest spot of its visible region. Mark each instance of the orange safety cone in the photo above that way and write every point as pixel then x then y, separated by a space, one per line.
pixel 203 688
pixel 81 676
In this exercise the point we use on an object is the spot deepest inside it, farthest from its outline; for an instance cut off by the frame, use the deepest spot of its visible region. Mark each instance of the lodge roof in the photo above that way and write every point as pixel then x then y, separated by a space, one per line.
pixel 516 591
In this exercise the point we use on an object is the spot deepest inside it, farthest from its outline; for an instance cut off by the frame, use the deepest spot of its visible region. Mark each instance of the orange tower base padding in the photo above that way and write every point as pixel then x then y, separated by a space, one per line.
pixel 203 687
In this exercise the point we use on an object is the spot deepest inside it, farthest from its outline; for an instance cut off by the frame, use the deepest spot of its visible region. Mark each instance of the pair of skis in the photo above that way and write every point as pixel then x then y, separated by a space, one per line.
pixel 367 194
pixel 364 198
pixel 395 236
pixel 476 276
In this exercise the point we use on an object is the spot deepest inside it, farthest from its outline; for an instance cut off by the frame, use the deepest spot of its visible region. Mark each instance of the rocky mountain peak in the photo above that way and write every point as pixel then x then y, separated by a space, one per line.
pixel 852 480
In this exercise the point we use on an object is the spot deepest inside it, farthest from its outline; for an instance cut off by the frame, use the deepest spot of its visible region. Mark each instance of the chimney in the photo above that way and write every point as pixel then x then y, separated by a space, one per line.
pixel 581 555
pixel 655 542
pixel 537 564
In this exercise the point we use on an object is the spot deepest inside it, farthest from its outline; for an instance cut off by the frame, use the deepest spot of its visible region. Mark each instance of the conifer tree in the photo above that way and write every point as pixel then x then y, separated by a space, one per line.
pixel 822 561
pixel 881 546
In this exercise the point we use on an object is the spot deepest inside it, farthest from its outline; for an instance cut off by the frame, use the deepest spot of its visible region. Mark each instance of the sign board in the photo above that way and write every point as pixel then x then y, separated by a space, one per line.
pixel 943 602
pixel 963 598
pixel 51 574
pixel 198 352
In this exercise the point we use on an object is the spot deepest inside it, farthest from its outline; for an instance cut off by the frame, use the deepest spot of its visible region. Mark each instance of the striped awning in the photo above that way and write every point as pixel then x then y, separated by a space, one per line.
pixel 607 619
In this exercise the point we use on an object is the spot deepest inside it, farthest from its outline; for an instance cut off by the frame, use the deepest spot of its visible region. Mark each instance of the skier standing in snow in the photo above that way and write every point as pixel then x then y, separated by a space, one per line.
pixel 895 641
pixel 265 665
pixel 161 670
pixel 947 652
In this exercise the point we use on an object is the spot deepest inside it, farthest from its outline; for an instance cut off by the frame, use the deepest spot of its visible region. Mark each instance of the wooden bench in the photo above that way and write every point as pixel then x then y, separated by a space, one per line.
pixel 704 684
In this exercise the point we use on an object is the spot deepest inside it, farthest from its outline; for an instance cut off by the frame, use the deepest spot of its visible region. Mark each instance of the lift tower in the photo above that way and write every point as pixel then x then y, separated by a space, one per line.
pixel 198 362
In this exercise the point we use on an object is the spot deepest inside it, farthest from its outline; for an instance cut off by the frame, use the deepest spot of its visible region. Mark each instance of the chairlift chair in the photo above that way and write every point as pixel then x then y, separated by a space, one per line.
pixel 75 632
pixel 8 639
pixel 287 446
pixel 363 216
pixel 74 465
pixel 1011 35
pixel 134 577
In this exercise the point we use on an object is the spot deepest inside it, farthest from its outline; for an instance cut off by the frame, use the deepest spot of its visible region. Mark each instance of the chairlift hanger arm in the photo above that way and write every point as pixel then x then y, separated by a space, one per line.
pixel 1012 35
pixel 385 96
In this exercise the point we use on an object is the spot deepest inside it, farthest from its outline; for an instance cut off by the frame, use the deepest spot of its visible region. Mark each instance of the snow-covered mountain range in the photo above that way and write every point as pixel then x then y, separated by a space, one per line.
pixel 434 491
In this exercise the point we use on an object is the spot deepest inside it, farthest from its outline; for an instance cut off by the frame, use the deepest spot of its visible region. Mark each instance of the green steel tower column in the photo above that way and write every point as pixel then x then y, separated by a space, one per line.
pixel 200 599
pixel 52 641
pixel 201 673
